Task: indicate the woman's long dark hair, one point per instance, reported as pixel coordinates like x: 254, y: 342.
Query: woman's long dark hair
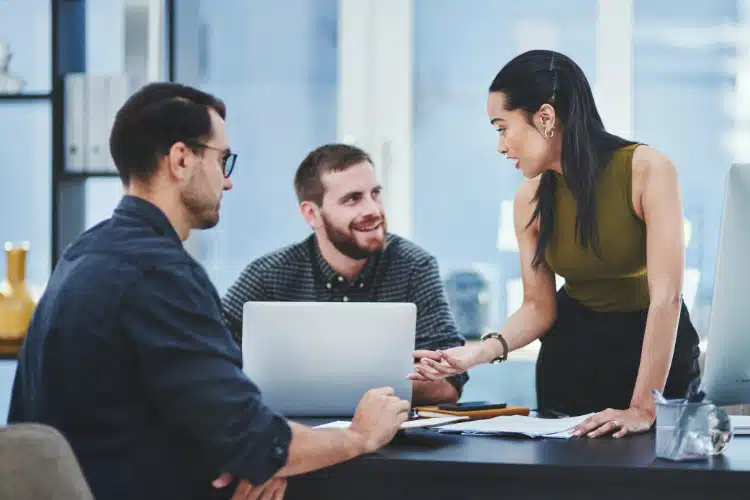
x: 542, y: 76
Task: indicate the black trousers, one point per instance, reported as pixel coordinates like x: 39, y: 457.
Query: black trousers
x: 589, y: 360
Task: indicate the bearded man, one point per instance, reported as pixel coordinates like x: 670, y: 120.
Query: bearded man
x: 351, y: 257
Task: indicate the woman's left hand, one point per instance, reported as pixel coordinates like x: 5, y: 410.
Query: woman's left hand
x: 619, y: 423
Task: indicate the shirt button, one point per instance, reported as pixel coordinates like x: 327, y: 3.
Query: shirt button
x: 345, y: 299
x: 361, y: 285
x: 328, y: 285
x: 278, y: 450
x: 341, y: 278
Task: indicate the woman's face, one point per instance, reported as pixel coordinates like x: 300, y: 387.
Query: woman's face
x: 534, y: 147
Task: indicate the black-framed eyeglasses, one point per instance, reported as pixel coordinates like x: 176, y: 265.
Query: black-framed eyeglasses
x: 227, y: 161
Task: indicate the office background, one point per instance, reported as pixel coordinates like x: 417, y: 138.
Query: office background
x: 406, y: 80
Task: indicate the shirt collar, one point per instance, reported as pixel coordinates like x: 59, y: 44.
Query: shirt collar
x: 332, y: 279
x: 149, y: 213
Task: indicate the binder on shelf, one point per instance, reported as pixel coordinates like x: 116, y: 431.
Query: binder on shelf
x: 97, y: 149
x: 91, y: 103
x: 75, y: 122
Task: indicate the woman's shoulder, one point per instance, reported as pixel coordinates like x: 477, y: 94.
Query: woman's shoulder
x: 653, y: 170
x: 648, y: 160
x: 525, y: 201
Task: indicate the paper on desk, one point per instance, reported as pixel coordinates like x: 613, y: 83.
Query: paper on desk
x: 740, y: 424
x: 409, y: 424
x: 560, y: 428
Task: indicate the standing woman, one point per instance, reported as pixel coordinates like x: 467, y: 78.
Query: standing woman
x: 605, y: 214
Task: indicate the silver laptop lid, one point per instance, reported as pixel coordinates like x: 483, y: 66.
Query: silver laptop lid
x: 319, y: 358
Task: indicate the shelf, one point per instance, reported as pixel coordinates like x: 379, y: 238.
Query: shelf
x: 25, y: 97
x: 74, y: 176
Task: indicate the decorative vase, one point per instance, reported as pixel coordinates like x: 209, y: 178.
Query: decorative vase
x: 16, y: 302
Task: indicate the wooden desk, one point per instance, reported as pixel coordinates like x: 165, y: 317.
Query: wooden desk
x: 421, y: 464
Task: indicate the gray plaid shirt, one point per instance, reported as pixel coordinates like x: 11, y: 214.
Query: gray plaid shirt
x: 402, y: 272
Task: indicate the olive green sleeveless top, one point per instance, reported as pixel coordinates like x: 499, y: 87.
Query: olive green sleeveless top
x: 618, y: 281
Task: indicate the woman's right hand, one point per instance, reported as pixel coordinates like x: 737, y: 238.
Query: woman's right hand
x: 436, y: 365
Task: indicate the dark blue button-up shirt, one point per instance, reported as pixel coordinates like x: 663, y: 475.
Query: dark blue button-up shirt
x: 128, y: 356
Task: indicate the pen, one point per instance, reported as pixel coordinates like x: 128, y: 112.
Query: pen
x: 429, y: 414
x: 658, y: 396
x: 692, y: 395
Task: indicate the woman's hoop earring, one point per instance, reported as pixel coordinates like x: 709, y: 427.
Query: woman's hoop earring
x: 549, y: 133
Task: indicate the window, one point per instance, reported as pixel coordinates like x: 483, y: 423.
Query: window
x: 275, y: 66
x: 671, y: 79
x: 463, y: 189
x: 408, y: 80
x: 687, y: 67
x: 127, y: 36
x: 102, y: 196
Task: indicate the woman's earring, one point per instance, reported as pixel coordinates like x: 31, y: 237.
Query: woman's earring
x: 548, y: 133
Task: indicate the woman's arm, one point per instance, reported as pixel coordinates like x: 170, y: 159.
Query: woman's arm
x: 539, y: 308
x: 528, y: 323
x: 659, y: 204
x: 665, y: 256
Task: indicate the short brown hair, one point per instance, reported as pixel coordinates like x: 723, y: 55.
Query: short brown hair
x: 328, y: 158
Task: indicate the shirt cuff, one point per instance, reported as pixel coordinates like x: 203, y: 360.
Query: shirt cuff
x: 269, y: 457
x: 458, y: 381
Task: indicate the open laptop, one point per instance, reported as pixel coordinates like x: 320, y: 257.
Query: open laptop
x: 317, y: 359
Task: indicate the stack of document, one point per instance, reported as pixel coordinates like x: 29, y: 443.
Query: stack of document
x: 560, y: 428
x: 409, y: 424
x: 741, y: 424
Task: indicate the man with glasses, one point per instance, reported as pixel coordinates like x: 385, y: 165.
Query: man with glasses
x: 127, y: 353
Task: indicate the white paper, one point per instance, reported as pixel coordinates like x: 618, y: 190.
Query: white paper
x: 559, y: 428
x: 740, y: 424
x: 740, y: 420
x: 409, y: 424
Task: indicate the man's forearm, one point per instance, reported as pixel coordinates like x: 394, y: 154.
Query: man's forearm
x: 440, y: 391
x: 313, y: 449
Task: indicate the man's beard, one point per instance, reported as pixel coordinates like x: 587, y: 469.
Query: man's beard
x: 346, y: 242
x: 205, y: 214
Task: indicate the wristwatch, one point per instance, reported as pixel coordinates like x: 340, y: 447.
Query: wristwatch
x: 495, y: 335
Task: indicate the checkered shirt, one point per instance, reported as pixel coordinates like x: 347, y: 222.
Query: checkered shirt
x: 401, y: 272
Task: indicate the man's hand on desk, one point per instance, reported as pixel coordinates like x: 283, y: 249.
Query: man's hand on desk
x: 273, y: 489
x: 616, y: 422
x: 378, y: 417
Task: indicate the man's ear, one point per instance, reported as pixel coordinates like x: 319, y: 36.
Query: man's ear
x: 178, y: 161
x: 311, y: 213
